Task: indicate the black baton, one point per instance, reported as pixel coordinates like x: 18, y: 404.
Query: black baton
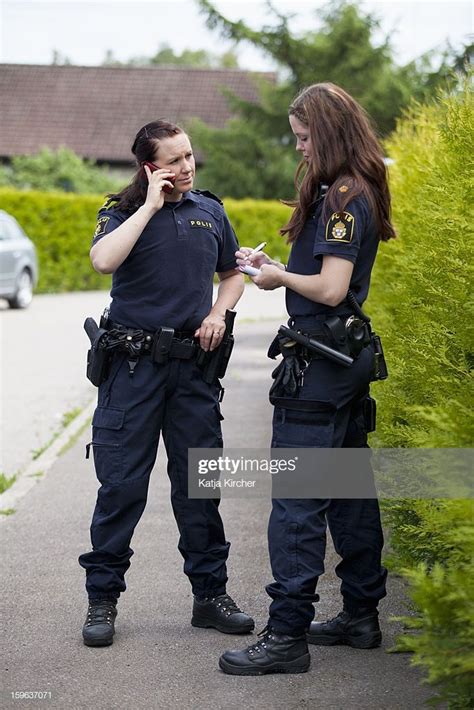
x: 316, y: 346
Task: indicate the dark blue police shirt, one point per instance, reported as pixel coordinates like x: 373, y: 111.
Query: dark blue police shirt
x: 167, y: 278
x: 349, y: 235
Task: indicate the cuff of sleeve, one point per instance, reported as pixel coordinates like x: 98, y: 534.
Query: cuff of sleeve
x: 227, y: 266
x: 331, y: 251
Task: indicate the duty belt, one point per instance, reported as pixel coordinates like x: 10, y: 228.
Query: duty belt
x: 161, y: 345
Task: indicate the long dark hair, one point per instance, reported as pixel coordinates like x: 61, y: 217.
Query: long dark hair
x: 144, y: 148
x: 345, y: 154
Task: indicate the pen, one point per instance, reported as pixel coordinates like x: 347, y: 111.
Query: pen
x: 259, y: 248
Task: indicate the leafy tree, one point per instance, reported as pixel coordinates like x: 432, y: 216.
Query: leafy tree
x: 195, y: 58
x: 453, y: 66
x: 250, y: 156
x: 60, y: 170
x: 342, y: 50
x: 189, y: 57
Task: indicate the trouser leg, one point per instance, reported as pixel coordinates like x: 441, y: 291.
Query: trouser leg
x: 297, y: 544
x: 126, y: 427
x: 297, y: 529
x: 193, y: 420
x: 357, y: 534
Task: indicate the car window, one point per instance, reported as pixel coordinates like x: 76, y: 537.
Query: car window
x: 4, y: 234
x: 9, y: 230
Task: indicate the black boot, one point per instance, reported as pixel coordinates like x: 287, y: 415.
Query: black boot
x: 99, y: 628
x: 221, y: 613
x: 359, y: 630
x: 273, y: 653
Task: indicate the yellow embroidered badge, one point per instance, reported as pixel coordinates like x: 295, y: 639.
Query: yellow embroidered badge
x: 340, y: 228
x: 101, y: 225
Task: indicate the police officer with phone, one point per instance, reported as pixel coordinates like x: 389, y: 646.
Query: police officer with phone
x: 163, y: 242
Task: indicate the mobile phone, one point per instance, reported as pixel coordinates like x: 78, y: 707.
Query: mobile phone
x: 153, y: 167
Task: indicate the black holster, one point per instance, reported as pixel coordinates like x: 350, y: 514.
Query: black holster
x: 162, y: 343
x: 214, y: 363
x: 98, y: 359
x: 380, y: 371
x: 370, y: 414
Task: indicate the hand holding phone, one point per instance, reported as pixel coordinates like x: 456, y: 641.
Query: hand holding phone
x: 153, y: 167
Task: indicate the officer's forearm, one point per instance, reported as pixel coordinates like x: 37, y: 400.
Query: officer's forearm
x: 316, y: 287
x: 112, y: 250
x: 230, y: 289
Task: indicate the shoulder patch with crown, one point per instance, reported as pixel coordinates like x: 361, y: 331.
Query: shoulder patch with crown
x: 340, y: 228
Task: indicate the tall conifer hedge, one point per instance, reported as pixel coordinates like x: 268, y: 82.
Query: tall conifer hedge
x: 421, y: 300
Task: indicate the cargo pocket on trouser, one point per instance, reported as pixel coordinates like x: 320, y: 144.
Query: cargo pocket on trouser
x: 303, y: 423
x: 107, y: 444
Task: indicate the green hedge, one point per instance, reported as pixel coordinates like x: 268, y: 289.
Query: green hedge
x: 421, y: 300
x: 421, y: 289
x: 61, y: 226
x: 258, y: 221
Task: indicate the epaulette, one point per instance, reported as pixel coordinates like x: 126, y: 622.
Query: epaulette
x: 207, y: 193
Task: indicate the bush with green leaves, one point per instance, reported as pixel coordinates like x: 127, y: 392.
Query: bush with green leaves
x: 258, y: 221
x: 442, y: 638
x: 57, y: 170
x: 421, y: 301
x: 421, y: 297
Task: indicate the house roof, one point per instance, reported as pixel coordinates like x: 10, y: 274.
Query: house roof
x: 96, y: 111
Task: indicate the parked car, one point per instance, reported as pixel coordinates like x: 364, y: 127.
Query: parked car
x: 18, y: 263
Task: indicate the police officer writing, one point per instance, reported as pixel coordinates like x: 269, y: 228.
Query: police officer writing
x: 341, y: 214
x: 163, y: 242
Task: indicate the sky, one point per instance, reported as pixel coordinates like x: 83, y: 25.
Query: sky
x: 83, y: 30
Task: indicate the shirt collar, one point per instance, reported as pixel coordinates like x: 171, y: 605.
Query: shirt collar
x: 189, y: 195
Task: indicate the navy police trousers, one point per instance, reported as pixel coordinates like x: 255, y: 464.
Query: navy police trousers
x: 297, y: 527
x: 131, y: 412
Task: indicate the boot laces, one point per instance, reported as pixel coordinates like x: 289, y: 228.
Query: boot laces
x: 226, y: 604
x: 100, y: 613
x: 266, y: 635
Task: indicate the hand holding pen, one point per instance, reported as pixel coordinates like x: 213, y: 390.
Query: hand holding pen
x: 252, y: 257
